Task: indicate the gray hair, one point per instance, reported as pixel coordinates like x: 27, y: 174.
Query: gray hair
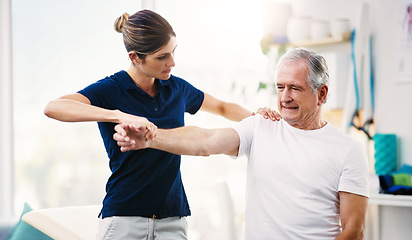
x: 318, y: 69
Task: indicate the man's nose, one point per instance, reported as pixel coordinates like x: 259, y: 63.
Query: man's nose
x: 286, y: 95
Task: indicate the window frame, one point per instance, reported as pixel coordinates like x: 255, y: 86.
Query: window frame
x: 6, y: 111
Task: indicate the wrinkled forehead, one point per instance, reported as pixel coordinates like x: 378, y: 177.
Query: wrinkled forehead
x: 292, y: 68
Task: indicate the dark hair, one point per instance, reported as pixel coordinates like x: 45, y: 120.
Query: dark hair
x: 145, y: 32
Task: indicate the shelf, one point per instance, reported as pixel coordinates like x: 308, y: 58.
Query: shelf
x: 331, y: 44
x: 391, y: 200
x: 321, y: 42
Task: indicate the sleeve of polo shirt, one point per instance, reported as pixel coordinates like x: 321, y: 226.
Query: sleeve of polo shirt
x: 244, y: 129
x: 193, y: 96
x: 95, y: 92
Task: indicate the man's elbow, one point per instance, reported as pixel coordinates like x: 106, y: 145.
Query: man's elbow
x: 354, y: 232
x: 203, y: 151
x: 215, y: 149
x: 208, y: 142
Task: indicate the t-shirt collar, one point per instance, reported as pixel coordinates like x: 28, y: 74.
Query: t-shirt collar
x: 130, y: 84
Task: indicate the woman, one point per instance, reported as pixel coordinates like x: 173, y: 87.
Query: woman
x: 145, y: 198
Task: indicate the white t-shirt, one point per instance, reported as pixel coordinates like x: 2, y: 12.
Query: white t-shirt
x: 294, y: 176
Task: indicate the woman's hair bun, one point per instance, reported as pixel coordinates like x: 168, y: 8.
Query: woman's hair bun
x: 119, y: 23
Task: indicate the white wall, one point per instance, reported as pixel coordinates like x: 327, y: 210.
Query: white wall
x: 392, y: 111
x: 392, y: 114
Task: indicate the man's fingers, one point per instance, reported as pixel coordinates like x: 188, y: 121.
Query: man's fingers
x: 125, y: 149
x: 125, y: 143
x: 151, y: 131
x: 118, y: 137
x: 137, y: 127
x: 120, y: 128
x: 128, y: 145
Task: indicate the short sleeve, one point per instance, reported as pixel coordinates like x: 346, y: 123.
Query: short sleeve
x: 95, y: 92
x: 355, y: 173
x: 244, y: 129
x: 193, y: 96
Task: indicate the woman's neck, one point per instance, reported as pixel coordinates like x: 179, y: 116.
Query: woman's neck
x: 144, y: 82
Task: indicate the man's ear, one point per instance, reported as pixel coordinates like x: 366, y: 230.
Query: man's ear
x: 322, y: 94
x: 134, y: 58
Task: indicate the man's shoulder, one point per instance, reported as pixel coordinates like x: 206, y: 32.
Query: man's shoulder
x: 257, y: 123
x: 258, y: 119
x: 344, y: 140
x: 331, y: 129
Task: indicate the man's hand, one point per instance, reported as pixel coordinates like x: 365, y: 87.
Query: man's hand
x: 134, y: 137
x: 268, y: 113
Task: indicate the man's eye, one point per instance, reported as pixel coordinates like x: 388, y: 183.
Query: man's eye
x: 162, y: 58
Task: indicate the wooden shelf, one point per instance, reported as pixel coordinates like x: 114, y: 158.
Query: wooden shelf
x: 321, y: 42
x: 331, y: 44
x: 391, y: 200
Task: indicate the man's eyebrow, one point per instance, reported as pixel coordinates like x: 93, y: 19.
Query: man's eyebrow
x: 291, y: 85
x: 296, y: 86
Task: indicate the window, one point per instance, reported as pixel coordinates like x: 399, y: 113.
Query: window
x: 59, y: 48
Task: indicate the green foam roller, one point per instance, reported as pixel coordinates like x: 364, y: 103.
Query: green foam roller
x: 386, y: 161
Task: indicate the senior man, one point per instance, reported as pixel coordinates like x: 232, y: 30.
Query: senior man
x: 305, y: 179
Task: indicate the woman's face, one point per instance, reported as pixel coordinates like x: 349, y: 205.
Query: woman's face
x: 159, y: 64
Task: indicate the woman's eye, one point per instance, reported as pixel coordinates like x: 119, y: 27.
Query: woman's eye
x: 162, y: 58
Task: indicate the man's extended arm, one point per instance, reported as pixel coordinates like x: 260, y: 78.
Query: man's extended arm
x: 184, y: 140
x: 353, y: 209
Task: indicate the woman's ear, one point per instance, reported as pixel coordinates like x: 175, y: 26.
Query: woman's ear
x: 134, y: 58
x: 322, y: 94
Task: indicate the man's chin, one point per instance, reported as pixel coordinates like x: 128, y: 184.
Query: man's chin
x: 289, y: 119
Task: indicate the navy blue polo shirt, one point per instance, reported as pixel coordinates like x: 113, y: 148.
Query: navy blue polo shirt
x: 147, y: 181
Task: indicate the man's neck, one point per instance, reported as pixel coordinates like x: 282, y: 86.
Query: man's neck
x: 311, y: 125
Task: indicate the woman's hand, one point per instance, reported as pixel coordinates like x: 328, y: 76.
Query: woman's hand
x: 137, y: 125
x: 268, y: 113
x: 134, y: 136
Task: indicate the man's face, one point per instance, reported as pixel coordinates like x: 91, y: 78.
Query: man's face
x: 298, y: 104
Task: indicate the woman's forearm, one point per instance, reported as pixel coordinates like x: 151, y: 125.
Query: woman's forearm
x: 234, y: 112
x: 68, y: 110
x: 77, y: 108
x: 231, y: 111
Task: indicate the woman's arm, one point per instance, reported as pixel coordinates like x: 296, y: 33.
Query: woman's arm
x: 77, y: 108
x: 231, y: 111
